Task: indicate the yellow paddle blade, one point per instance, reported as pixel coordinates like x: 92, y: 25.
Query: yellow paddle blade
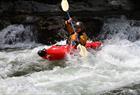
x: 83, y: 51
x: 65, y: 5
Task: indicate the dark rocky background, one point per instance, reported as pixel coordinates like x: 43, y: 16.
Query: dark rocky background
x: 47, y: 18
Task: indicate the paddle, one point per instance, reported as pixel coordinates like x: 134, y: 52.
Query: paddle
x: 83, y: 51
x: 65, y: 7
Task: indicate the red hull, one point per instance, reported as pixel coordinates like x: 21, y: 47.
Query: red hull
x: 58, y: 52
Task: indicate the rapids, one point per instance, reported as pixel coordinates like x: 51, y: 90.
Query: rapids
x: 116, y: 65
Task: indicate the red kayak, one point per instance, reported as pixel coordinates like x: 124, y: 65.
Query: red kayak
x: 58, y: 52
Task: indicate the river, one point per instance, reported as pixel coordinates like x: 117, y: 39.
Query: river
x: 115, y: 68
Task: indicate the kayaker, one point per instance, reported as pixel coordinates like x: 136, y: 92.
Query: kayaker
x: 79, y: 36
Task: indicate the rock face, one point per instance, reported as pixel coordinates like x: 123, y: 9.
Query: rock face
x: 54, y: 5
x: 48, y: 18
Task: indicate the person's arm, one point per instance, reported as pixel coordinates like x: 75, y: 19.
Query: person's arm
x: 69, y: 27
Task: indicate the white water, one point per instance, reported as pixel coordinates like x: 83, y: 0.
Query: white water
x: 17, y: 36
x: 117, y: 64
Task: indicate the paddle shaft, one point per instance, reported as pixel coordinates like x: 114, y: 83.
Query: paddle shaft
x: 72, y: 25
x: 71, y: 22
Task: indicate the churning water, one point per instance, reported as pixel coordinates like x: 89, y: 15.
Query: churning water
x: 17, y: 36
x: 116, y: 65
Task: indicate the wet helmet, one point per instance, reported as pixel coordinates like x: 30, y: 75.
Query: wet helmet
x: 42, y: 53
x: 80, y: 24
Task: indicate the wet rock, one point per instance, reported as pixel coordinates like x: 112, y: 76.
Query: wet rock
x: 47, y: 17
x: 38, y: 6
x: 26, y: 7
x: 3, y: 24
x: 133, y: 89
x: 51, y: 30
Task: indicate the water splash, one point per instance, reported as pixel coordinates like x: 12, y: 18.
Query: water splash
x: 120, y: 28
x: 21, y: 62
x: 15, y: 36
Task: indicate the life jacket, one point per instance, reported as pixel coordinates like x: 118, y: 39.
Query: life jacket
x: 80, y: 37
